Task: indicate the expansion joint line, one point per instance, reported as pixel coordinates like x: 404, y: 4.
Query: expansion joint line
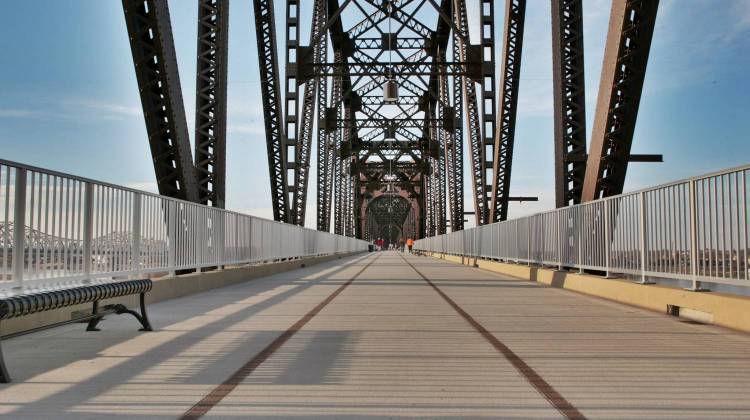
x: 534, y: 379
x: 222, y: 390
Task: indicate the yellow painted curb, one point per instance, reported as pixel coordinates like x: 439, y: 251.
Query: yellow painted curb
x: 722, y: 309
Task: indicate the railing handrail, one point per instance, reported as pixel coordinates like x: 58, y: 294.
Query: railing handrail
x: 88, y: 217
x: 649, y: 232
x: 19, y: 165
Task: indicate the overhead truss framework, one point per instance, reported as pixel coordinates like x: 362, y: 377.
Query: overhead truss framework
x: 366, y: 145
x: 369, y: 144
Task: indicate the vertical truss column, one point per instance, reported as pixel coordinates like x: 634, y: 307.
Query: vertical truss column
x: 448, y: 139
x: 211, y: 101
x: 441, y: 137
x: 489, y: 98
x: 265, y: 28
x: 343, y: 174
x: 515, y: 11
x: 315, y: 88
x: 457, y: 223
x: 291, y: 109
x: 476, y: 146
x: 327, y: 151
x: 631, y: 27
x: 569, y: 99
x: 152, y: 47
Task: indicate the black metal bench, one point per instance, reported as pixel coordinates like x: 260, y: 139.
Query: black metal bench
x: 31, y: 303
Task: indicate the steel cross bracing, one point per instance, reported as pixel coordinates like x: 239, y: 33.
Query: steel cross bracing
x: 265, y: 27
x: 152, y: 47
x: 211, y: 101
x: 631, y: 28
x: 515, y: 12
x: 569, y: 100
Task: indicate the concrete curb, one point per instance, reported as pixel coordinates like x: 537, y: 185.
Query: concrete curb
x: 730, y: 311
x: 171, y: 287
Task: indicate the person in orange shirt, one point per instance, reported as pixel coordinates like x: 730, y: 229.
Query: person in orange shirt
x: 410, y: 244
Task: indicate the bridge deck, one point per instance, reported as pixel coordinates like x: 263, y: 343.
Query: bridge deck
x: 370, y: 337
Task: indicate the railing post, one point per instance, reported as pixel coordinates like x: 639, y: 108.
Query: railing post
x: 642, y: 221
x: 694, y: 237
x: 577, y: 234
x: 19, y: 227
x: 222, y: 240
x: 606, y: 238
x: 528, y: 241
x: 559, y: 241
x: 88, y: 231
x: 171, y: 236
x: 136, y: 251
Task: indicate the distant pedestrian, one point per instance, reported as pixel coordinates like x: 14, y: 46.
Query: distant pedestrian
x: 410, y: 244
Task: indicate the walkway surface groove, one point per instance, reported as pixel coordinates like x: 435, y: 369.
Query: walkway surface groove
x: 383, y: 335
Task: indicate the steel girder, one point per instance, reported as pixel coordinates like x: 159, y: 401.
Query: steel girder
x: 446, y: 111
x: 292, y: 131
x: 457, y: 207
x: 569, y: 100
x: 316, y: 88
x: 211, y: 101
x: 327, y: 144
x: 515, y: 11
x: 265, y: 27
x: 631, y: 27
x: 152, y: 48
x: 479, y: 165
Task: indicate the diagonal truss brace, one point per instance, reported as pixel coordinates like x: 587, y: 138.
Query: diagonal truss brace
x: 631, y: 28
x: 211, y: 101
x: 515, y: 11
x: 265, y: 27
x: 152, y: 46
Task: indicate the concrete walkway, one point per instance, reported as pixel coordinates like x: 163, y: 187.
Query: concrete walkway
x: 383, y: 336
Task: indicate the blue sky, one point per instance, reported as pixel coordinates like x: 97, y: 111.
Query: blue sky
x: 69, y: 99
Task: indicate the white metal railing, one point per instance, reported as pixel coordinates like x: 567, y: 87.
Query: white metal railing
x: 695, y: 229
x: 57, y: 229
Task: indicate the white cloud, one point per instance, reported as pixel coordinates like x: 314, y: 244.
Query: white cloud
x: 18, y: 113
x: 107, y: 108
x: 253, y: 129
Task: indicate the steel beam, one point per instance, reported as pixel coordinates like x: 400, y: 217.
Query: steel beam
x: 631, y: 27
x: 265, y: 28
x: 476, y: 145
x: 211, y: 101
x: 152, y: 47
x: 569, y: 100
x: 316, y: 88
x: 515, y: 12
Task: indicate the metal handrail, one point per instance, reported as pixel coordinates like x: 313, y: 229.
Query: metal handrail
x: 694, y: 229
x: 57, y: 229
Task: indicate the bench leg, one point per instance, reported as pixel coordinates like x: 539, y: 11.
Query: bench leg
x: 93, y: 322
x: 4, y: 375
x: 120, y: 309
x: 144, y: 316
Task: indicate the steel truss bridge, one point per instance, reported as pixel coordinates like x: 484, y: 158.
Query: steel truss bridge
x: 384, y: 161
